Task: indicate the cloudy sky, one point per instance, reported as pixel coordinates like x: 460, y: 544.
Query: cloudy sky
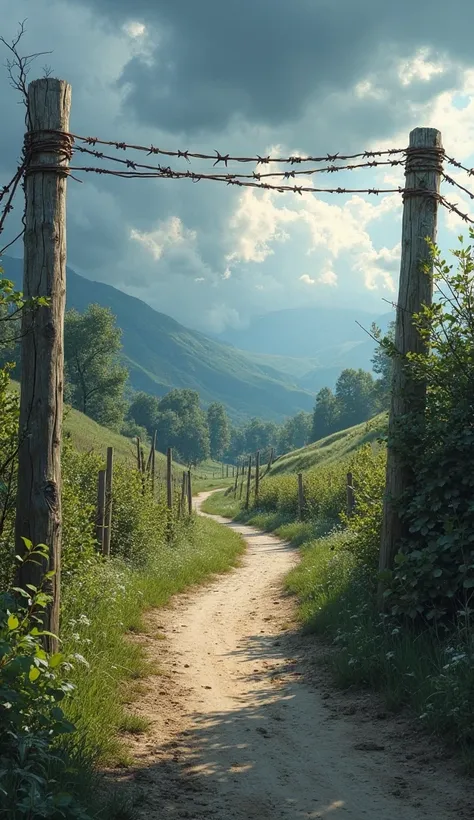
x: 247, y: 76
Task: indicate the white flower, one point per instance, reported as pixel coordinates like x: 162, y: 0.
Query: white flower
x: 81, y: 659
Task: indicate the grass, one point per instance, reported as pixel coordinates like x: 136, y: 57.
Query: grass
x: 108, y: 602
x: 429, y: 670
x: 332, y: 448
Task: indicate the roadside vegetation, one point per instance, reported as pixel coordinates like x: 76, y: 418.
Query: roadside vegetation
x: 419, y: 649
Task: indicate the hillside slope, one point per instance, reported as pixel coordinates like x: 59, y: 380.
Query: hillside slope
x: 331, y: 448
x: 162, y: 354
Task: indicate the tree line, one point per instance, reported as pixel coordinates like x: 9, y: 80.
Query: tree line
x: 97, y: 385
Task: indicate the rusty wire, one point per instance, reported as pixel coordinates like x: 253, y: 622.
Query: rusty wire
x: 217, y: 157
x: 228, y: 179
x: 258, y: 175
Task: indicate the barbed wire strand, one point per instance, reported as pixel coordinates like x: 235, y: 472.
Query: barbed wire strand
x: 217, y: 157
x: 256, y: 174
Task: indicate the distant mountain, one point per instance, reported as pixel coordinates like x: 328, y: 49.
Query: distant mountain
x: 162, y: 354
x: 329, y: 335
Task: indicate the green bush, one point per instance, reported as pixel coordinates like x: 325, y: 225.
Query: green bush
x: 32, y: 685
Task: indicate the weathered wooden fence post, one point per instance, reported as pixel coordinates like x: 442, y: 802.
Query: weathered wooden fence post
x: 300, y: 497
x: 38, y: 507
x: 169, y: 478
x: 350, y: 496
x: 257, y: 477
x: 100, y: 522
x: 183, y: 492
x: 190, y: 493
x: 249, y: 480
x: 420, y: 213
x: 108, y: 500
x: 139, y: 455
x: 236, y: 481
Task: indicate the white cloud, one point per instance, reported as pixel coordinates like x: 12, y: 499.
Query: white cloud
x: 307, y: 279
x: 134, y: 29
x: 168, y: 234
x: 420, y: 67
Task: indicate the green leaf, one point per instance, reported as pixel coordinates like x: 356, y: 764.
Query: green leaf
x: 468, y: 583
x: 55, y: 660
x: 13, y: 623
x: 34, y: 674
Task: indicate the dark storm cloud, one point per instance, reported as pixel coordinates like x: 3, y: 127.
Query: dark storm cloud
x: 238, y: 75
x: 266, y: 60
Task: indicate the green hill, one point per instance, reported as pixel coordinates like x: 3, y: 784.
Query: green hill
x: 332, y: 448
x: 162, y: 354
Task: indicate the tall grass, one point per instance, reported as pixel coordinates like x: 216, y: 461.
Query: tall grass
x: 105, y: 603
x: 429, y: 669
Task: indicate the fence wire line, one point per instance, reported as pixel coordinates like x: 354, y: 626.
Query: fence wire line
x: 258, y: 175
x: 217, y: 157
x: 242, y: 180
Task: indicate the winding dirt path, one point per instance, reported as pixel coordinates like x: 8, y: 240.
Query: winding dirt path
x: 245, y: 723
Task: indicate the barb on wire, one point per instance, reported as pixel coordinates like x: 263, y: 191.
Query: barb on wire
x: 456, y: 164
x: 217, y: 157
x: 258, y: 175
x: 456, y: 184
x: 455, y: 210
x: 228, y: 179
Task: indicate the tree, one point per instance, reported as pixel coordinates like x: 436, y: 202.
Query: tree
x: 325, y: 414
x: 219, y: 430
x: 92, y: 345
x: 193, y: 439
x: 295, y: 432
x: 260, y: 435
x: 182, y: 425
x: 168, y: 427
x: 355, y: 397
x: 382, y: 365
x: 144, y: 410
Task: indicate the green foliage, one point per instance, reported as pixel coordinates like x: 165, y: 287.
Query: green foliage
x: 144, y: 410
x: 95, y: 376
x: 382, y: 365
x: 368, y: 478
x: 32, y: 685
x: 219, y: 430
x: 355, y: 397
x: 434, y: 573
x: 295, y: 432
x: 325, y: 414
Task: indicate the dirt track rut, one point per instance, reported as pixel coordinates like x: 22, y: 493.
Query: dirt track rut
x: 245, y: 724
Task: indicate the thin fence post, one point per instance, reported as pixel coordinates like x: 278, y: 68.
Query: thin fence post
x: 420, y: 212
x: 100, y: 522
x: 108, y: 500
x: 139, y: 457
x: 301, y: 500
x: 190, y: 493
x: 153, y: 464
x: 38, y: 505
x: 350, y: 496
x: 236, y: 481
x: 169, y: 478
x: 184, y: 491
x: 249, y: 479
x: 257, y: 477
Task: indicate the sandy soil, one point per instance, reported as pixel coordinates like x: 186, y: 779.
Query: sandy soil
x: 245, y: 723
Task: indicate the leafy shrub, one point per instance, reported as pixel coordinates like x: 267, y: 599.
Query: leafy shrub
x: 368, y: 477
x: 32, y: 685
x: 434, y: 574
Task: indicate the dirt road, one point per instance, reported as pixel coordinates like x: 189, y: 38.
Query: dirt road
x: 245, y: 725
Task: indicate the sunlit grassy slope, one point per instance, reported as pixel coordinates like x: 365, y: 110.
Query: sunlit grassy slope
x: 332, y: 448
